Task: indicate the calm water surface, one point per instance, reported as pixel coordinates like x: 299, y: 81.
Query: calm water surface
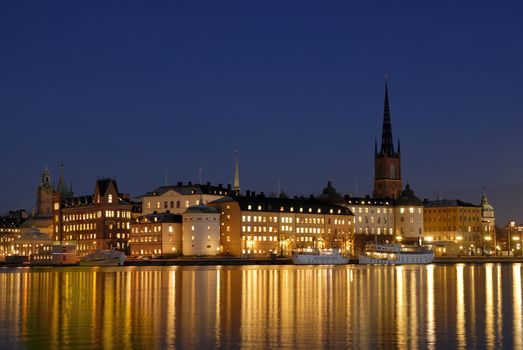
x: 434, y: 306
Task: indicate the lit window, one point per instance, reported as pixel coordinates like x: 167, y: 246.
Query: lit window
x: 110, y: 198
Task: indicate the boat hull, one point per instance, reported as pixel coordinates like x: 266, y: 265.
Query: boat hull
x: 308, y: 259
x: 398, y: 259
x: 104, y: 258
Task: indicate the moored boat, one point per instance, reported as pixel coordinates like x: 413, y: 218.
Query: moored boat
x: 395, y: 254
x: 319, y: 257
x: 104, y: 258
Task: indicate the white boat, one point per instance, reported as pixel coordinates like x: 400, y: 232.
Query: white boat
x: 395, y: 254
x: 104, y: 258
x: 319, y: 257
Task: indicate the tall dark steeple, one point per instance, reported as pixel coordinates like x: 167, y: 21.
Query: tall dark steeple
x: 387, y: 146
x: 387, y: 162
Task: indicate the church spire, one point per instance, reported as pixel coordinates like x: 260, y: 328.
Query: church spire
x: 62, y: 186
x: 236, y: 182
x: 387, y: 147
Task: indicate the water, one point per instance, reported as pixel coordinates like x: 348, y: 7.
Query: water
x: 290, y: 307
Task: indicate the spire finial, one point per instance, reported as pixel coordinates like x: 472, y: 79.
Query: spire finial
x: 387, y: 147
x: 236, y: 182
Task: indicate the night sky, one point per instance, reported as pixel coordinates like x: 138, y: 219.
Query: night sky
x: 136, y: 91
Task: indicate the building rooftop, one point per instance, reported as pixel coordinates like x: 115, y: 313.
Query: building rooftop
x: 254, y: 202
x: 161, y: 218
x: 448, y: 203
x: 190, y: 188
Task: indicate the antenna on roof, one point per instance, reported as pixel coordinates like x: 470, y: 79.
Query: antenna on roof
x: 437, y: 195
x: 279, y: 188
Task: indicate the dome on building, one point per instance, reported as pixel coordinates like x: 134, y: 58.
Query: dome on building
x: 202, y: 208
x: 408, y: 197
x: 329, y: 195
x: 485, y: 205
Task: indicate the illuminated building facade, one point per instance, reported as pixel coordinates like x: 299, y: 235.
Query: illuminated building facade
x: 201, y: 231
x: 454, y: 227
x: 98, y: 221
x: 157, y: 234
x: 176, y: 199
x: 255, y: 225
x: 408, y: 217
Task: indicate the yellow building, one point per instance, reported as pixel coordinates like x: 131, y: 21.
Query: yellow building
x: 454, y: 227
x: 259, y: 226
x: 156, y: 235
x: 176, y: 199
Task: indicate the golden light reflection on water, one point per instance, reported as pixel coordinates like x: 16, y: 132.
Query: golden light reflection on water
x: 516, y: 306
x: 431, y: 323
x: 262, y: 307
x: 460, y: 306
x: 489, y: 306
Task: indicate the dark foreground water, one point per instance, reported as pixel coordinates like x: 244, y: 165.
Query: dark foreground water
x: 452, y: 306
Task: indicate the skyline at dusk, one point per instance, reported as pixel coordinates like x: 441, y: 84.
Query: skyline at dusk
x: 139, y: 92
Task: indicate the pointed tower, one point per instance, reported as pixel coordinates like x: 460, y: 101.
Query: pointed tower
x: 62, y: 186
x: 236, y: 182
x: 387, y: 162
x: 488, y: 222
x: 44, y: 195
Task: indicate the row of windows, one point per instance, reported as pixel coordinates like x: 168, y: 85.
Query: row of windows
x: 172, y: 204
x: 261, y: 238
x: 453, y: 228
x: 378, y: 230
x: 366, y: 210
x: 146, y: 229
x: 453, y: 218
x: 301, y: 210
x: 90, y: 216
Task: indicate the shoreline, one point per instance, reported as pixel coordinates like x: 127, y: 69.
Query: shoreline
x: 278, y: 261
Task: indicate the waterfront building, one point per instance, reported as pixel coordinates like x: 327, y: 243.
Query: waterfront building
x: 453, y: 227
x: 387, y: 162
x: 92, y: 222
x: 510, y: 243
x: 408, y: 217
x: 34, y: 245
x: 176, y: 199
x: 373, y: 218
x: 201, y: 231
x: 157, y: 234
x: 255, y: 225
x: 9, y: 229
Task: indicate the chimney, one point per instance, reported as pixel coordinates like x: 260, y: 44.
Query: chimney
x: 179, y: 184
x: 254, y: 193
x: 208, y: 183
x: 248, y: 193
x: 189, y: 183
x: 220, y: 185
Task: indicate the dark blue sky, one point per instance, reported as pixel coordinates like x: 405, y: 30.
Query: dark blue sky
x: 134, y: 90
